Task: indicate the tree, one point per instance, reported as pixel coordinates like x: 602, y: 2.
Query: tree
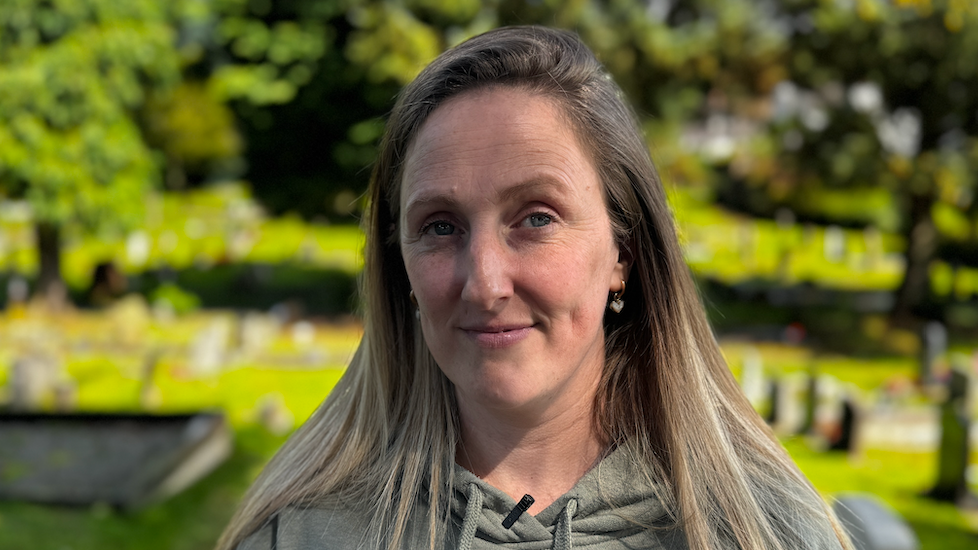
x: 73, y: 73
x: 310, y: 82
x: 308, y: 146
x: 877, y: 103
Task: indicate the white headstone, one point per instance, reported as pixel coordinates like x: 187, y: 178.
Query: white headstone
x: 209, y: 350
x: 752, y: 376
x: 834, y: 243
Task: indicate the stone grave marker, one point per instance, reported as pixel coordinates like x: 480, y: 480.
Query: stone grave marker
x: 209, y: 350
x: 935, y: 345
x: 256, y: 332
x: 825, y: 408
x: 786, y: 410
x: 752, y: 376
x: 845, y: 434
x: 871, y: 525
x: 907, y: 428
x: 65, y: 396
x: 834, y: 244
x: 120, y: 460
x: 18, y: 292
x: 952, y: 481
x: 810, y: 401
x: 34, y: 379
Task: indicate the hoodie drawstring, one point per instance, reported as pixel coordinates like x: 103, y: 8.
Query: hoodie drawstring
x: 562, y: 536
x: 472, y: 511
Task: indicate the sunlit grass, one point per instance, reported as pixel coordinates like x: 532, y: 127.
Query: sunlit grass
x: 897, y: 478
x: 223, y: 223
x: 111, y: 379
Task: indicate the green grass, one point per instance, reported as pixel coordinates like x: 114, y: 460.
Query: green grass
x: 899, y: 479
x: 108, y: 379
x: 223, y: 224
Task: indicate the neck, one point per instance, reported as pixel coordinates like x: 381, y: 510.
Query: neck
x: 542, y: 457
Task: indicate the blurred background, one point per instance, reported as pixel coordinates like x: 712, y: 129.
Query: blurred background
x: 181, y: 182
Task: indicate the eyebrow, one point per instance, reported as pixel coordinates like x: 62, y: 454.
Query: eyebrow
x: 526, y: 187
x: 535, y: 184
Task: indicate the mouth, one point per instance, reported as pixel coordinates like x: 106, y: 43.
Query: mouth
x: 495, y: 329
x: 497, y: 336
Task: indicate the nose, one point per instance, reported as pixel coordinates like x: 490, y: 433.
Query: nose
x: 486, y: 271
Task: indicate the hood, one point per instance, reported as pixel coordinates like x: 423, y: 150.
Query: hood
x: 610, y: 503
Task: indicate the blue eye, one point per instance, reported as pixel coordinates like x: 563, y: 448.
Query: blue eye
x: 440, y: 228
x: 539, y: 220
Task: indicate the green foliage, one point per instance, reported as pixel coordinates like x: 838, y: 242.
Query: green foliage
x: 71, y: 73
x: 875, y: 105
x: 193, y: 128
x: 175, y: 298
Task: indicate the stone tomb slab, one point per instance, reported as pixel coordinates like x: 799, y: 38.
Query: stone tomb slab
x: 122, y: 460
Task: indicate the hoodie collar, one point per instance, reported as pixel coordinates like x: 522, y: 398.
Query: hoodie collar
x: 610, y: 502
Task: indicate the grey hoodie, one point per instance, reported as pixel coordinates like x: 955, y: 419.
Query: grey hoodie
x: 609, y: 508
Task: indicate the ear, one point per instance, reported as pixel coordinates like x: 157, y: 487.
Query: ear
x: 621, y: 269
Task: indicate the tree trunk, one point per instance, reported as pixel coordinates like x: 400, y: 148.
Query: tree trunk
x: 49, y: 282
x: 921, y: 246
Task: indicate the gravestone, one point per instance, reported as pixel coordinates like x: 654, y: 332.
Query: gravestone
x: 935, y: 345
x: 786, y: 410
x: 952, y: 481
x: 256, y: 332
x: 826, y: 406
x: 121, y: 460
x: 274, y: 415
x: 871, y: 525
x: 18, y: 292
x: 905, y: 429
x: 810, y: 401
x: 209, y: 350
x: 65, y: 396
x: 33, y: 382
x: 834, y: 244
x: 752, y: 376
x: 843, y: 438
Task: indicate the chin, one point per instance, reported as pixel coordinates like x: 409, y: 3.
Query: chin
x: 504, y: 395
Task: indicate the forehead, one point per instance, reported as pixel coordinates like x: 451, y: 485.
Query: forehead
x: 499, y: 134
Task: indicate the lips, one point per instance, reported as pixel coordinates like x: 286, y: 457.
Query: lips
x: 497, y: 336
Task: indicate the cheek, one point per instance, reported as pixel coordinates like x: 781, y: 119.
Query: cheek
x: 431, y: 280
x: 578, y: 287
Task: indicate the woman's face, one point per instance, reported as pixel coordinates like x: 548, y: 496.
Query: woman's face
x: 509, y: 249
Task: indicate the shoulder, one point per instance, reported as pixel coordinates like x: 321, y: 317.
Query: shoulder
x: 800, y: 518
x: 333, y: 525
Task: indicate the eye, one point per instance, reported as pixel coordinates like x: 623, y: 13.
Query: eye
x: 539, y: 219
x: 440, y: 228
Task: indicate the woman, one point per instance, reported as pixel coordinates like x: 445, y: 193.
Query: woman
x: 530, y: 328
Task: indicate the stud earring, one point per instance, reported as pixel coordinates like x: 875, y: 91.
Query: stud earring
x: 617, y: 304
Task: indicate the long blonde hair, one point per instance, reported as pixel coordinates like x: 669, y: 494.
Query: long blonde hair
x: 388, y: 430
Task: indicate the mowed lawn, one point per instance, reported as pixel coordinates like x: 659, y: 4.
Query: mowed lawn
x: 194, y: 519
